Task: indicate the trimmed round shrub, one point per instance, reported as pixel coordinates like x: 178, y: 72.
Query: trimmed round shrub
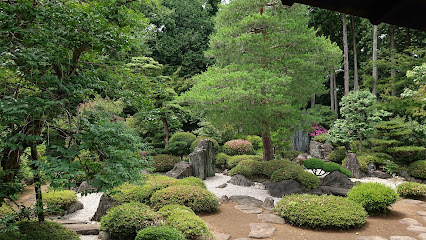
x: 123, y: 222
x: 155, y: 183
x: 234, y: 160
x: 197, y: 198
x: 411, y: 189
x: 291, y: 154
x: 191, y: 181
x: 269, y: 167
x: 190, y: 225
x: 46, y: 230
x: 58, y: 201
x: 186, y: 137
x: 238, y: 147
x: 337, y: 155
x: 374, y: 197
x: 164, y: 162
x: 313, y: 163
x: 256, y: 141
x: 194, y: 144
x: 417, y: 169
x: 247, y: 168
x: 222, y: 160
x: 308, y: 180
x: 287, y: 173
x: 332, y: 166
x: 160, y: 233
x: 321, y: 212
x: 127, y: 192
x: 168, y: 210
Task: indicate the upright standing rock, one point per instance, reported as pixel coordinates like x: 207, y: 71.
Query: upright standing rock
x: 203, y: 159
x: 300, y: 141
x: 352, y: 165
x: 320, y: 150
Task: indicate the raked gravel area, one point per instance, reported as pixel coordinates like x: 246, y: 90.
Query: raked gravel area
x: 390, y: 182
x: 90, y: 203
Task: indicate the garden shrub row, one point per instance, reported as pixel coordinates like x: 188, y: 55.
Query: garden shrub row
x: 316, y: 165
x: 58, y: 201
x: 47, y: 230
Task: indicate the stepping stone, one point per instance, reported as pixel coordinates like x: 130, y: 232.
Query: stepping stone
x: 418, y: 229
x: 412, y: 201
x: 401, y: 238
x: 221, y: 236
x: 248, y: 209
x: 410, y: 222
x: 244, y: 239
x: 422, y: 236
x: 84, y: 229
x: 261, y: 230
x: 271, y: 218
x: 222, y: 185
x: 421, y: 213
x: 371, y: 238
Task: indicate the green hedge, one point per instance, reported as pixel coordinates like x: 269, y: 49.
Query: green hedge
x: 123, y: 222
x: 321, y: 212
x: 234, y: 160
x: 337, y: 155
x: 164, y: 162
x: 191, y: 181
x: 197, y: 198
x: 374, y: 197
x: 287, y: 173
x: 247, y: 168
x: 128, y: 192
x: 418, y: 169
x: 47, y: 230
x: 58, y: 201
x: 160, y: 233
x: 190, y: 225
x: 186, y: 137
x: 411, y: 190
x: 308, y: 180
x: 168, y: 210
x: 269, y: 167
x: 238, y: 147
x: 222, y: 160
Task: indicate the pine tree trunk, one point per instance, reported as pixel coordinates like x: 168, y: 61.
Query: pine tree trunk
x: 392, y: 49
x: 374, y: 91
x: 37, y: 184
x: 346, y: 54
x: 268, y: 150
x: 166, y: 131
x: 355, y: 54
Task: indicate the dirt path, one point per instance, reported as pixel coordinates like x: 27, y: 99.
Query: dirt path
x: 231, y: 221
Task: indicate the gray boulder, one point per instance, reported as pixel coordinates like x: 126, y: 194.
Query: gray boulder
x: 334, y: 191
x: 285, y: 187
x: 203, y: 159
x: 245, y: 200
x: 352, y: 165
x: 338, y: 180
x: 320, y: 150
x: 300, y: 141
x: 86, y: 187
x: 105, y: 203
x: 180, y: 170
x: 240, y: 180
x: 75, y: 206
x: 379, y: 174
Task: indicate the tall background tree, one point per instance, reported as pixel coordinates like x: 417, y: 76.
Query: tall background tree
x: 258, y: 82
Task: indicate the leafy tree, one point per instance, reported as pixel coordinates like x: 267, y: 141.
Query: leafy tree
x: 359, y: 113
x: 262, y: 58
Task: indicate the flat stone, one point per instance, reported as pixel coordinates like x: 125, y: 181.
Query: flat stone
x: 271, y: 218
x: 418, y: 229
x: 371, y: 238
x: 268, y: 203
x: 66, y: 221
x: 246, y: 200
x: 401, y: 238
x: 104, y: 236
x: 244, y: 239
x: 422, y: 236
x: 412, y: 201
x: 261, y: 230
x: 221, y: 236
x: 421, y: 213
x: 248, y: 209
x: 222, y: 185
x: 410, y: 222
x: 84, y: 229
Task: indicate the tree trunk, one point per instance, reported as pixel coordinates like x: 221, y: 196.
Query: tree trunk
x: 336, y: 103
x: 268, y: 150
x: 346, y: 53
x: 392, y: 49
x: 166, y: 131
x: 355, y: 54
x: 37, y: 184
x: 332, y: 91
x: 374, y: 91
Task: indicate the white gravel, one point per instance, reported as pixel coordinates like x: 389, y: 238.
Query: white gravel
x: 88, y: 237
x: 234, y: 190
x: 90, y: 203
x: 390, y: 182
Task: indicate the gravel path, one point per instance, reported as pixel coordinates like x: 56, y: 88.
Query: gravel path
x: 88, y: 237
x: 234, y: 190
x: 391, y: 182
x: 90, y: 203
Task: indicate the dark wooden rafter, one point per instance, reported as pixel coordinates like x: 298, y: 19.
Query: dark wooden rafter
x: 403, y: 13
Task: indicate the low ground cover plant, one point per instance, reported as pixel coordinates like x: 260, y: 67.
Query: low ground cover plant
x: 168, y: 210
x: 123, y: 222
x: 58, y: 201
x: 374, y: 197
x: 191, y: 181
x: 196, y: 198
x: 164, y: 162
x: 190, y: 225
x: 234, y: 160
x: 159, y: 233
x: 247, y: 168
x: 269, y: 167
x: 289, y: 172
x: 127, y: 192
x: 47, y: 230
x: 222, y: 160
x: 411, y: 190
x: 238, y: 147
x: 321, y: 212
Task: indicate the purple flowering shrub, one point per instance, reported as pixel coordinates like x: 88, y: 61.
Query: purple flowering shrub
x: 317, y: 130
x: 238, y: 147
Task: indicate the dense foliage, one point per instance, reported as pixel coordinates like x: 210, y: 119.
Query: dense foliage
x: 238, y: 147
x: 47, y: 230
x: 374, y: 197
x: 321, y: 212
x: 164, y: 162
x: 59, y: 201
x: 418, y: 169
x: 159, y: 233
x: 191, y: 225
x: 411, y: 190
